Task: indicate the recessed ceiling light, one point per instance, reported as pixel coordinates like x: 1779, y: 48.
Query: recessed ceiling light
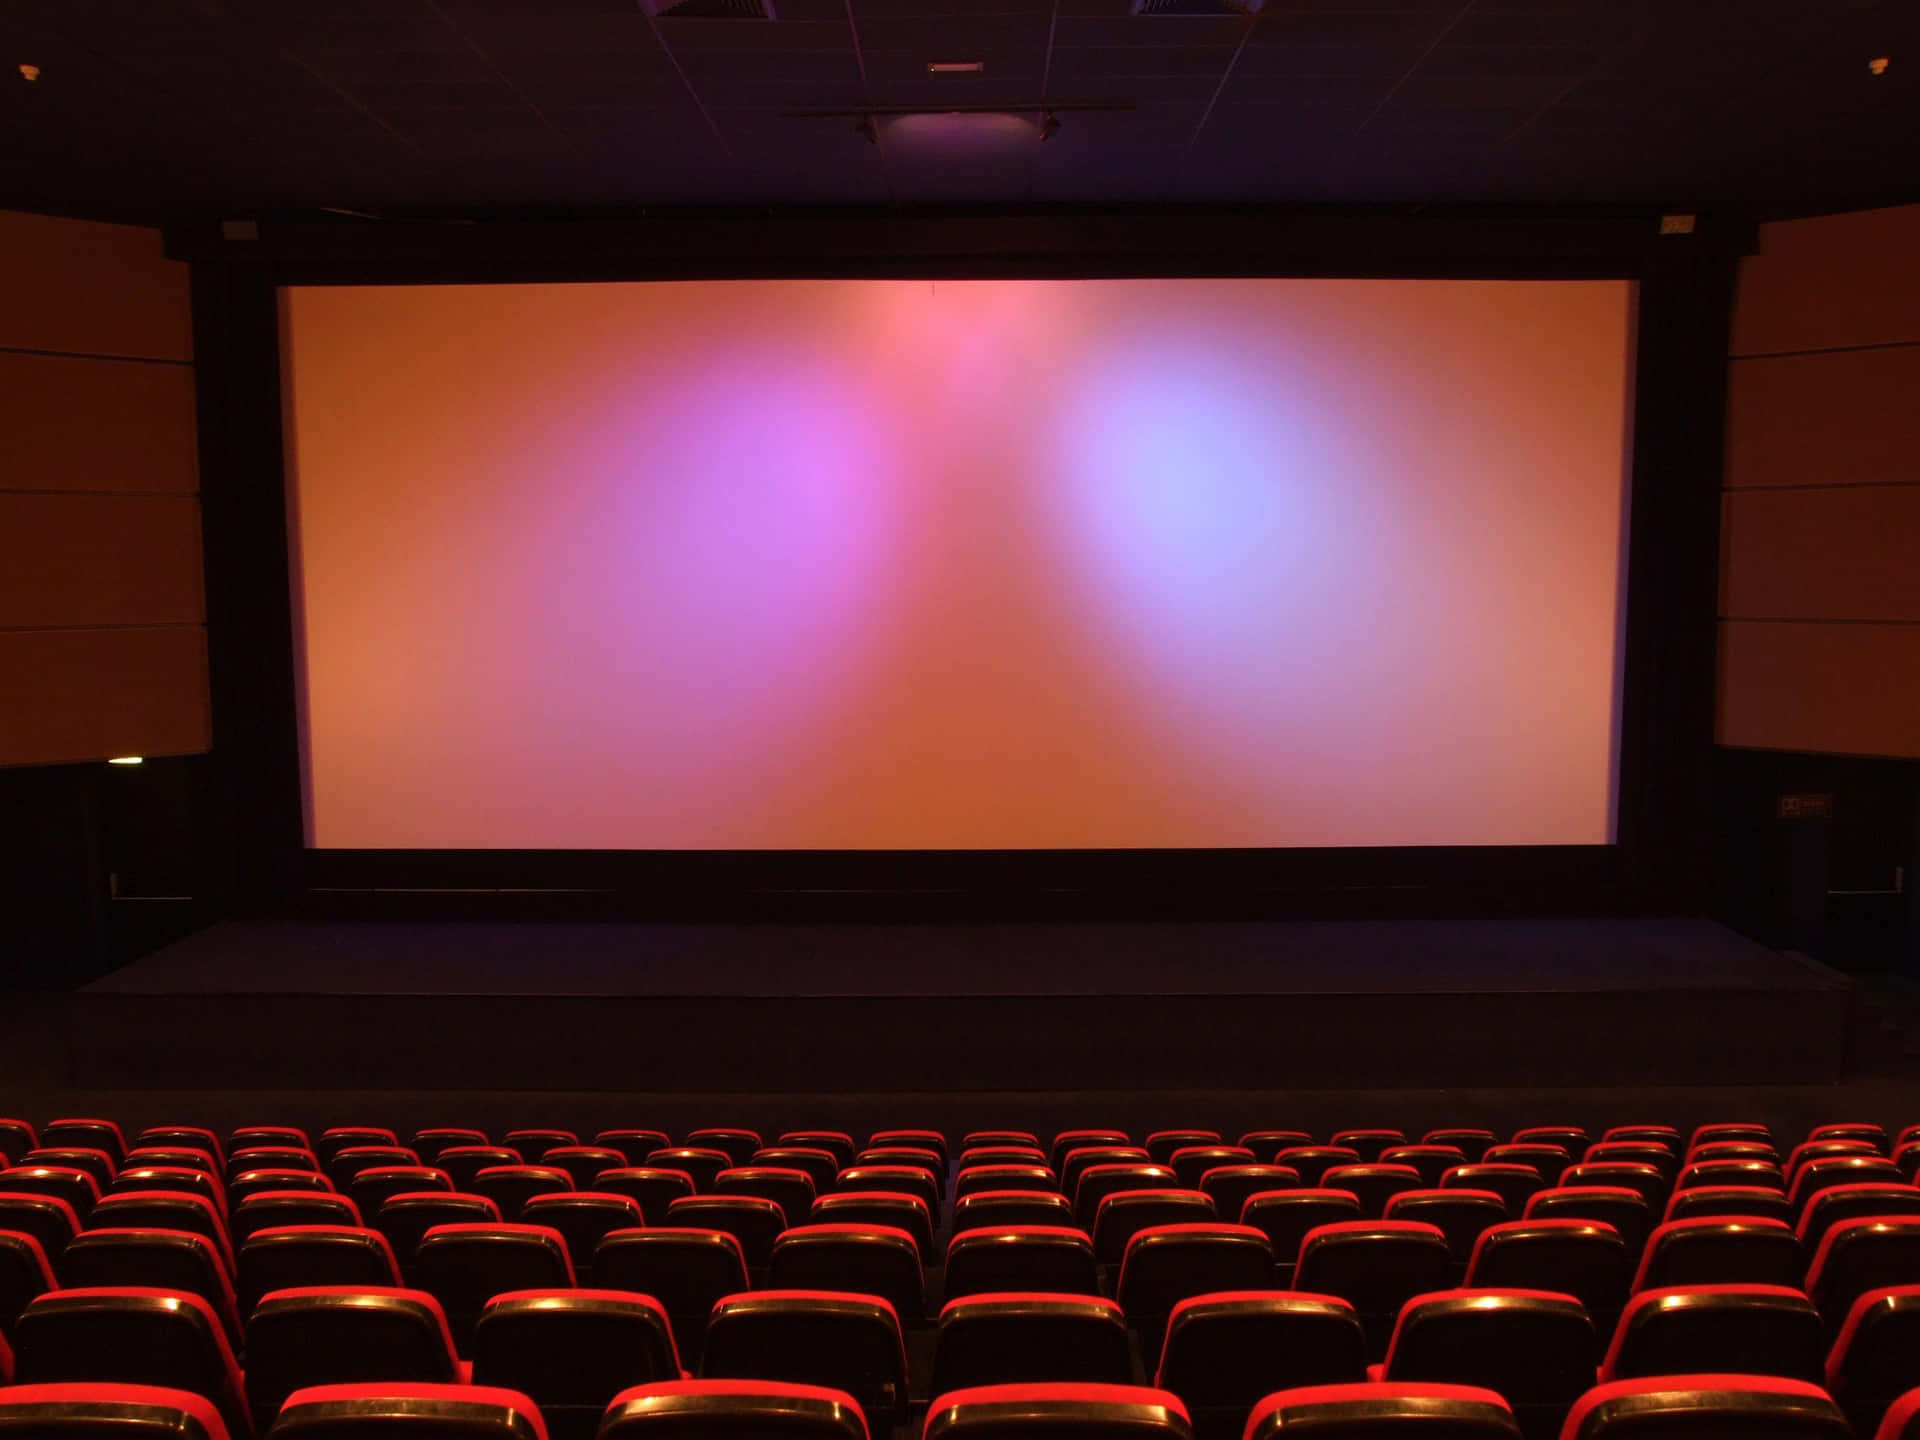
x: 955, y: 67
x: 31, y: 73
x: 1877, y: 65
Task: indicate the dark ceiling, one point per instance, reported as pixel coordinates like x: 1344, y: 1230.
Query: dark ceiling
x: 150, y: 109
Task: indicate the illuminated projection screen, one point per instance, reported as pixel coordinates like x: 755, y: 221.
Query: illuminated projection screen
x: 877, y: 564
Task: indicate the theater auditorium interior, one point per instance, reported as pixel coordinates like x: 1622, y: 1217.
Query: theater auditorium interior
x: 959, y: 720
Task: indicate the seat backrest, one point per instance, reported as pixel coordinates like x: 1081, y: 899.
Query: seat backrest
x: 1738, y: 1130
x: 1862, y: 1130
x: 134, y: 1335
x: 1077, y: 1161
x: 1622, y: 1174
x: 699, y: 1163
x: 1190, y: 1162
x: 636, y: 1144
x: 1764, y: 1407
x: 1535, y: 1347
x: 1572, y: 1138
x: 1430, y: 1161
x: 1367, y: 1141
x: 1707, y: 1329
x: 1712, y: 1250
x: 837, y: 1143
x: 1583, y: 1258
x: 1370, y: 1410
x: 572, y: 1351
x: 244, y: 1158
x: 1816, y: 1175
x: 1512, y: 1182
x: 819, y: 1165
x: 729, y: 1409
x: 1051, y: 1259
x: 107, y: 1411
x: 164, y: 1210
x: 184, y: 1179
x: 1165, y: 1264
x: 1374, y: 1265
x: 1013, y: 1337
x: 1313, y: 1161
x: 1160, y: 1144
x: 1471, y: 1141
x: 1007, y: 1177
x: 1827, y: 1208
x: 372, y: 1188
x: 511, y: 1186
x: 1228, y: 1186
x: 464, y: 1266
x: 1224, y: 1351
x: 1552, y: 1161
x: 336, y: 1138
x: 1729, y: 1201
x: 87, y: 1134
x: 583, y: 1218
x: 295, y: 1256
x: 243, y: 1136
x: 687, y: 1271
x: 1070, y: 1140
x: 896, y: 1179
x: 430, y: 1140
x: 792, y: 1190
x: 464, y: 1162
x: 1096, y: 1182
x: 390, y: 1410
x: 154, y: 1259
x: 735, y: 1141
x: 336, y: 1334
x: 1000, y: 1137
x: 405, y: 1217
x: 24, y: 1274
x: 1288, y: 1216
x: 1876, y: 1358
x: 47, y: 1218
x: 583, y: 1162
x: 918, y: 1157
x: 876, y: 1207
x: 536, y: 1140
x: 265, y: 1210
x: 754, y: 1222
x: 1126, y: 1213
x: 1625, y: 1210
x: 860, y: 1259
x: 79, y: 1189
x: 652, y: 1186
x: 1065, y: 1411
x: 999, y: 1209
x: 1856, y: 1256
x: 1748, y: 1172
x: 349, y: 1160
x: 836, y: 1339
x: 1460, y: 1215
x: 1372, y: 1184
x: 247, y: 1183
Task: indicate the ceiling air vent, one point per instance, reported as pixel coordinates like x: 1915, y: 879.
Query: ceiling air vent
x: 710, y: 9
x: 1196, y: 9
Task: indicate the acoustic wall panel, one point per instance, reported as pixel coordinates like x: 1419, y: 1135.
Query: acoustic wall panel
x: 98, y: 693
x: 73, y: 423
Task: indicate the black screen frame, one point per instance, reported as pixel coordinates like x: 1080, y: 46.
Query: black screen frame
x: 1658, y: 863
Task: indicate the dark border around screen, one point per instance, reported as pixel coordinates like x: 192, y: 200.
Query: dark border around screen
x: 250, y: 816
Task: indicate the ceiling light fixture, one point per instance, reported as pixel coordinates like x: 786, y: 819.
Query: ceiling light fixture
x: 955, y: 67
x: 1877, y: 65
x: 31, y: 73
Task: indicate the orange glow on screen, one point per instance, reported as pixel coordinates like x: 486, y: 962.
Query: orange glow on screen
x: 960, y: 564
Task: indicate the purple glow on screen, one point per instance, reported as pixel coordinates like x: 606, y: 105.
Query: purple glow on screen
x: 901, y: 564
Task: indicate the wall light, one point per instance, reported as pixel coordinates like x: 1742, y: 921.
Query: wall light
x: 128, y: 760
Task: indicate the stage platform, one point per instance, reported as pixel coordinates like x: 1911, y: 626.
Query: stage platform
x: 816, y: 1008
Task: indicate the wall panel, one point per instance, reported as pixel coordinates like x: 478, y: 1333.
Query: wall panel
x: 1835, y: 417
x: 1829, y: 554
x: 1831, y: 282
x: 82, y: 288
x: 73, y: 560
x: 98, y: 693
x: 71, y: 423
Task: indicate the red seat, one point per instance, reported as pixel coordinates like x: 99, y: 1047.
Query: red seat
x: 337, y: 1334
x: 1286, y: 1217
x: 349, y: 1160
x: 1161, y: 1144
x: 1190, y: 1162
x: 1625, y: 1210
x: 653, y: 1187
x: 1228, y: 1186
x: 344, y: 1137
x: 894, y: 1179
x: 1676, y: 1407
x: 1000, y: 1137
x: 1828, y: 1207
x: 1749, y: 1173
x: 1096, y: 1182
x: 1863, y: 1130
x: 1431, y: 1161
x: 1534, y: 1348
x: 1582, y: 1258
x: 1715, y: 1251
x: 1081, y: 1158
x: 1372, y: 1185
x: 999, y: 1209
x: 131, y: 1335
x: 48, y: 1219
x: 76, y: 1188
x: 698, y: 1163
x: 1817, y: 1175
x: 1572, y: 1138
x: 17, y: 1137
x: 915, y: 1139
x: 1052, y: 1259
x: 1730, y: 1202
x: 534, y: 1140
x: 858, y: 1259
x: 1166, y: 1264
x: 1057, y: 1412
x: 87, y: 1134
x: 464, y: 1266
x: 1471, y: 1141
x: 24, y: 1275
x: 372, y: 1188
x: 465, y: 1162
x: 584, y: 1218
x: 1633, y: 1152
x: 512, y: 1186
x: 405, y: 1217
x: 1551, y: 1161
x: 1706, y: 1329
x: 754, y: 1222
x: 834, y: 1339
x: 583, y: 1162
x: 876, y: 1207
x: 737, y: 1144
x: 1856, y: 1256
x: 165, y: 1210
x: 1375, y: 1265
x: 820, y: 1166
x: 974, y: 1155
x: 1664, y: 1134
x: 202, y: 1184
x: 1515, y: 1184
x: 1070, y: 1140
x: 791, y: 1190
x: 242, y: 1137
x: 687, y: 1271
x: 182, y: 1138
x: 271, y: 1157
x: 635, y: 1145
x: 1735, y: 1130
x: 573, y: 1351
x: 1367, y: 1143
x: 432, y: 1139
x: 1876, y: 1358
x: 1460, y: 1215
x: 1015, y: 1337
x: 1224, y: 1351
x: 837, y: 1143
x: 107, y: 1411
x: 1378, y: 1411
x: 1313, y: 1161
x: 297, y: 1256
x: 934, y: 1162
x: 176, y: 1260
x: 731, y: 1409
x: 1124, y: 1214
x: 1005, y: 1177
x: 391, y: 1410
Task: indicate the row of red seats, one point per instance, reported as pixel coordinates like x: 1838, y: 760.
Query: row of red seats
x: 1691, y: 1407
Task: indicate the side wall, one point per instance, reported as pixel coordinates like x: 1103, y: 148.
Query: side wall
x: 1820, y: 557
x: 102, y: 633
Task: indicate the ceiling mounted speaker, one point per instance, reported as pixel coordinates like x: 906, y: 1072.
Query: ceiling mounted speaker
x: 709, y: 9
x: 1197, y: 9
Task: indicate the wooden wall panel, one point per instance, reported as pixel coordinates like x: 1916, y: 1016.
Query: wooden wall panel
x: 1836, y: 417
x: 1850, y: 553
x: 1839, y: 280
x: 68, y: 560
x: 68, y: 423
x: 99, y: 693
x: 1842, y: 689
x: 89, y: 289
